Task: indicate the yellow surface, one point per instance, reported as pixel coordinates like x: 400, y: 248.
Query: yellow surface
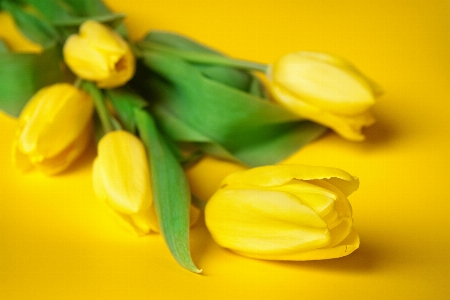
x: 58, y: 242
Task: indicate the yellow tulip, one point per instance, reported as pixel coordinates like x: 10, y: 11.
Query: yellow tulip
x: 122, y: 179
x: 285, y: 212
x: 54, y: 129
x: 12, y: 36
x: 99, y: 54
x: 325, y: 89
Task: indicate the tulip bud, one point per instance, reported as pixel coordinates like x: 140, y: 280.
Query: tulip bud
x: 284, y: 212
x: 99, y: 54
x: 325, y: 89
x: 122, y: 179
x: 54, y: 128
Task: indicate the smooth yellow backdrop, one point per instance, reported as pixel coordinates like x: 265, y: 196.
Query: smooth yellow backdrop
x: 58, y: 242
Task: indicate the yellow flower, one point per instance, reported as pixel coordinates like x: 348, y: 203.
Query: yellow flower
x: 99, y: 54
x: 325, y: 89
x: 285, y: 212
x: 54, y: 129
x: 12, y: 36
x: 122, y: 179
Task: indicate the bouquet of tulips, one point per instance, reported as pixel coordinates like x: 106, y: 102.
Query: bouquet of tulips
x: 156, y: 106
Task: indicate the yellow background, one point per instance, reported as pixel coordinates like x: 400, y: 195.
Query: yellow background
x: 58, y: 242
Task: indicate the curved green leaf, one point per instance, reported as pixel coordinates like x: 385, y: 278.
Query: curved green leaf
x: 22, y: 74
x: 233, y: 77
x: 124, y: 103
x: 170, y: 190
x: 222, y: 120
x: 31, y: 24
x: 3, y: 47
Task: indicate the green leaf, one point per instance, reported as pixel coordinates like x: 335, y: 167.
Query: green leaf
x: 3, y: 47
x: 170, y: 190
x: 221, y: 120
x: 124, y: 102
x: 22, y: 74
x: 233, y: 77
x: 88, y: 7
x: 73, y: 13
x: 31, y: 24
x: 53, y: 10
x: 77, y: 21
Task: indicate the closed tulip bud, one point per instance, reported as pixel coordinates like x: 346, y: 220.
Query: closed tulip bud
x: 285, y: 212
x: 325, y: 89
x: 99, y: 54
x: 54, y: 129
x: 122, y: 179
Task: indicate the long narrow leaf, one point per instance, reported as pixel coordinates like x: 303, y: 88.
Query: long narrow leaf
x: 3, y: 47
x: 233, y: 77
x: 190, y: 107
x: 124, y: 103
x: 53, y: 10
x: 22, y: 74
x: 170, y: 190
x: 31, y: 24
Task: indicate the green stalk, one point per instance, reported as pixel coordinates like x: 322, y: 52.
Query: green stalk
x: 205, y: 58
x: 99, y: 103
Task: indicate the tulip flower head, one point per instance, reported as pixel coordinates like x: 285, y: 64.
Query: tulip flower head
x: 284, y: 212
x: 54, y: 129
x: 99, y: 54
x: 325, y: 89
x: 122, y: 179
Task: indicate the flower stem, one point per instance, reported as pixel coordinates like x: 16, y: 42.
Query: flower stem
x: 206, y: 58
x: 100, y: 105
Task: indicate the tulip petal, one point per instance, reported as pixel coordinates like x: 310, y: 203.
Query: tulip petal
x: 55, y: 117
x: 319, y: 199
x: 344, y: 64
x: 316, y: 197
x: 269, y: 222
x: 58, y: 163
x: 84, y: 60
x: 342, y: 205
x: 97, y: 178
x: 100, y: 54
x: 126, y: 222
x: 348, y: 127
x: 101, y: 37
x: 20, y: 160
x: 284, y: 212
x: 145, y: 221
x: 122, y: 70
x: 277, y: 175
x: 346, y: 247
x: 54, y: 128
x: 124, y: 169
x: 340, y: 232
x: 323, y: 84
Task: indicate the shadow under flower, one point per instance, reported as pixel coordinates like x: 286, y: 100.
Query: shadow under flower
x: 83, y: 163
x: 368, y: 258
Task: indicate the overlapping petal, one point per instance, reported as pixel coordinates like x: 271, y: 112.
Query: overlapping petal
x: 325, y: 89
x: 99, y: 54
x: 54, y: 129
x: 284, y: 212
